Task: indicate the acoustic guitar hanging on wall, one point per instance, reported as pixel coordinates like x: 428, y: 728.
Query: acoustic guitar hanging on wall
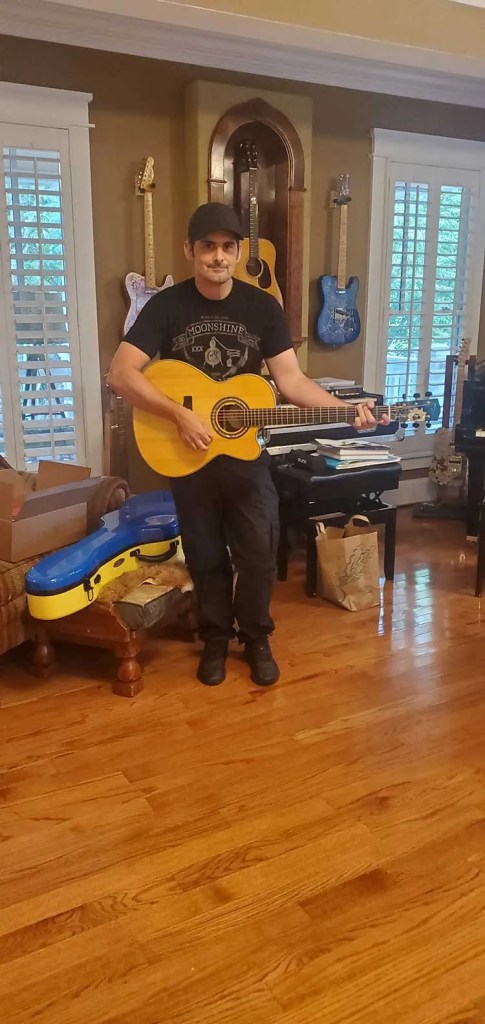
x: 257, y: 264
x: 141, y: 288
x: 339, y: 322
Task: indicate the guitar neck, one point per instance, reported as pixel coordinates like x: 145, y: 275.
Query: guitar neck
x: 292, y: 416
x: 253, y: 214
x: 150, y: 279
x: 460, y: 379
x: 342, y: 249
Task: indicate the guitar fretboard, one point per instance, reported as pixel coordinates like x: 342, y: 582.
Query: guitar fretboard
x: 150, y: 279
x: 342, y: 249
x: 253, y: 214
x: 290, y: 416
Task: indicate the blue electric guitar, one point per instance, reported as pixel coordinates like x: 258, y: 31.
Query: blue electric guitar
x: 339, y: 321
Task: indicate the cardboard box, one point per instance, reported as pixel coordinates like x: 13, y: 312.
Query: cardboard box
x: 46, y: 515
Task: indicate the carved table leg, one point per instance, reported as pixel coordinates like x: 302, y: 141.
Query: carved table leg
x: 43, y: 658
x: 129, y: 680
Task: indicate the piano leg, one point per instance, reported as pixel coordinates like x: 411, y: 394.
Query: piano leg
x: 480, y: 580
x: 476, y: 483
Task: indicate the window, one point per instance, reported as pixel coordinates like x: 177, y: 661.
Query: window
x: 426, y: 259
x: 49, y: 365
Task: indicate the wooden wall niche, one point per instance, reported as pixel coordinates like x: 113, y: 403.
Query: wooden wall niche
x: 281, y: 174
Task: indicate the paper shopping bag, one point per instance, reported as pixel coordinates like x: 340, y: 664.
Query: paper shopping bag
x: 348, y: 564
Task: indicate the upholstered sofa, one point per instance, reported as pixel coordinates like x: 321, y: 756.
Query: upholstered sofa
x: 14, y: 630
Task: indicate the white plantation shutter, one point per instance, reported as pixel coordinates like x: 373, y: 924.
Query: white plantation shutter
x: 427, y: 246
x: 49, y: 380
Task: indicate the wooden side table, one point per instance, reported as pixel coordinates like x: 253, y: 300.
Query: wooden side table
x: 102, y: 625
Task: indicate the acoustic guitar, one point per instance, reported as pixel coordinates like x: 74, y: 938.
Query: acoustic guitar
x: 338, y: 322
x: 258, y: 255
x: 141, y: 288
x: 235, y: 411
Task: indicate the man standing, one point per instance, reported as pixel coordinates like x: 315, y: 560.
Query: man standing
x: 224, y: 327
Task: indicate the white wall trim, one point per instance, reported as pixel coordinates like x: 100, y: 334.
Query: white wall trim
x: 412, y: 147
x: 65, y: 113
x: 411, y: 490
x: 219, y: 39
x: 33, y: 105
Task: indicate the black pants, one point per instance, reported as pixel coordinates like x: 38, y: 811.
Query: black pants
x: 230, y: 504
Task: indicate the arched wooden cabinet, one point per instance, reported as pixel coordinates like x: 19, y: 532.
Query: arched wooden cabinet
x: 281, y: 188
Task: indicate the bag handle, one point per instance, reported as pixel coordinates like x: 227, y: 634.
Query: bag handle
x: 358, y: 525
x: 358, y: 520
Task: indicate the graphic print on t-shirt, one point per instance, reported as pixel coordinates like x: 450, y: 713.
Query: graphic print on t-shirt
x: 219, y: 347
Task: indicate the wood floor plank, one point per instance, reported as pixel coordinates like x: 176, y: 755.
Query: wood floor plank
x: 309, y: 854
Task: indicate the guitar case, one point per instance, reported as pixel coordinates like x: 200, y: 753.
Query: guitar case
x: 144, y: 529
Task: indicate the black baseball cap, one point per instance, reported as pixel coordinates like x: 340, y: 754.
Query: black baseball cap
x: 213, y: 217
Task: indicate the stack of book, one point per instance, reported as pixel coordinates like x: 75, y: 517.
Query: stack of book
x: 354, y: 453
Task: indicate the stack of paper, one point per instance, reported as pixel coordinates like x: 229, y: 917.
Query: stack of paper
x: 353, y: 453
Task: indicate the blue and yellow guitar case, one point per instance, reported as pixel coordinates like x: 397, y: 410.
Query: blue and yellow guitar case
x: 144, y: 529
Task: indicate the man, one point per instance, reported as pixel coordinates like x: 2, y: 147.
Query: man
x: 224, y: 327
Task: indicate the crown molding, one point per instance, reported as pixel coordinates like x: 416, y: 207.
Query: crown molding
x: 207, y: 38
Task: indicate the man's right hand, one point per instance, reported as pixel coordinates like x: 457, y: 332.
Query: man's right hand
x: 192, y: 431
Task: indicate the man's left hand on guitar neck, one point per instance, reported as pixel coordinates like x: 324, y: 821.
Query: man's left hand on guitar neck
x: 301, y: 391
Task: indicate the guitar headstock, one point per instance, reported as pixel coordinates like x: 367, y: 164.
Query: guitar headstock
x: 343, y: 197
x: 145, y: 179
x: 419, y: 410
x: 248, y: 154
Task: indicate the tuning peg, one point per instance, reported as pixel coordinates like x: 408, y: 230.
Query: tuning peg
x: 416, y: 394
x: 428, y: 394
x: 404, y: 396
x: 416, y: 424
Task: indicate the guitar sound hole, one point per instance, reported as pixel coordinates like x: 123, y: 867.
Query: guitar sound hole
x: 254, y: 266
x: 230, y: 419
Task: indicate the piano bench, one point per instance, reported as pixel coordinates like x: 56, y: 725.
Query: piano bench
x: 305, y: 498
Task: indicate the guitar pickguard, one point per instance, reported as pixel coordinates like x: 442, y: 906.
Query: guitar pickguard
x: 139, y: 295
x: 339, y: 320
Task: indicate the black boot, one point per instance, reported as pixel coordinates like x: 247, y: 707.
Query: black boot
x: 264, y: 670
x: 212, y: 665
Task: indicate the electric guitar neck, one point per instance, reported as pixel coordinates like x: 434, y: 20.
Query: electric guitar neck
x: 141, y: 287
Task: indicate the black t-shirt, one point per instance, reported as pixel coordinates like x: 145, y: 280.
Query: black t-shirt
x: 222, y: 337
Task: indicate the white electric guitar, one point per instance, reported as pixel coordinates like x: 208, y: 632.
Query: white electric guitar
x: 447, y: 466
x: 140, y: 289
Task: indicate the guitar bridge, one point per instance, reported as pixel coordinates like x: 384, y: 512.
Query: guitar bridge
x: 187, y: 402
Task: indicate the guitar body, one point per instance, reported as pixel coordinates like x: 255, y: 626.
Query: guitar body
x: 447, y: 466
x: 158, y: 439
x: 259, y: 271
x: 339, y: 321
x: 139, y: 294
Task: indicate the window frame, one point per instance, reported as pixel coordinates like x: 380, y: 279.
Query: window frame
x: 37, y: 108
x: 421, y: 151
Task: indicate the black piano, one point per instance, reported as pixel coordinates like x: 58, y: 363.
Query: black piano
x: 470, y: 441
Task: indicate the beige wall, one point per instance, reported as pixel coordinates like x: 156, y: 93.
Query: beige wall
x: 138, y: 108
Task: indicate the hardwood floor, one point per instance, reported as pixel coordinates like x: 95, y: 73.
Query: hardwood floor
x: 310, y: 854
